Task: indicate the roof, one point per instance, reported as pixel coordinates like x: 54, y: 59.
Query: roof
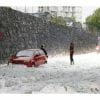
x: 30, y: 49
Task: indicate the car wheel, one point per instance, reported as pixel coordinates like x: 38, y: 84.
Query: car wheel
x: 45, y: 62
x: 29, y: 64
x: 35, y: 65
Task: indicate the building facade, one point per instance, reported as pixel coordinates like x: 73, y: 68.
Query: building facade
x: 64, y: 11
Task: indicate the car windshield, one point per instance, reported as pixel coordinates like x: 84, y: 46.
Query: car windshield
x: 25, y: 53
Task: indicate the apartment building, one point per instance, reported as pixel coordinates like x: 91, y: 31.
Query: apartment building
x: 64, y: 11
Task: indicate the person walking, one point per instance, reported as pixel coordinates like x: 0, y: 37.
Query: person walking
x: 44, y: 50
x: 71, y: 53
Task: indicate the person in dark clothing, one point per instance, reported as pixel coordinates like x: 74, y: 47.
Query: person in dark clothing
x: 71, y: 53
x: 44, y: 50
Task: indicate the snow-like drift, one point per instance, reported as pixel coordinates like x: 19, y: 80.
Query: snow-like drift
x: 58, y: 76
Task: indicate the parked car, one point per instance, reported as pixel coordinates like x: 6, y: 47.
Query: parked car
x: 29, y: 57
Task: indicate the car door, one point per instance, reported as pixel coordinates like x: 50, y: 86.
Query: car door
x: 37, y: 58
x: 42, y: 57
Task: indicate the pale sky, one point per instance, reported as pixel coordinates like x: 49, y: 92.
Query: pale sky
x: 86, y: 11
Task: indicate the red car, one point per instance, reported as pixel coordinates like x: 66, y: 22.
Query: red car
x: 29, y: 57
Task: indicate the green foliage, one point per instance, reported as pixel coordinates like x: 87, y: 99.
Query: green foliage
x: 93, y: 21
x: 58, y: 20
x: 73, y: 19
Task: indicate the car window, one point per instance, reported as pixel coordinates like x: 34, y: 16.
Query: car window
x: 36, y: 53
x: 25, y: 53
x: 41, y: 52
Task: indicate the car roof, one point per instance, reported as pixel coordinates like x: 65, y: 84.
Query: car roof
x: 31, y: 49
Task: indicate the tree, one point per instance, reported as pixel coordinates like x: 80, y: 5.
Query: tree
x: 58, y: 20
x: 93, y: 21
